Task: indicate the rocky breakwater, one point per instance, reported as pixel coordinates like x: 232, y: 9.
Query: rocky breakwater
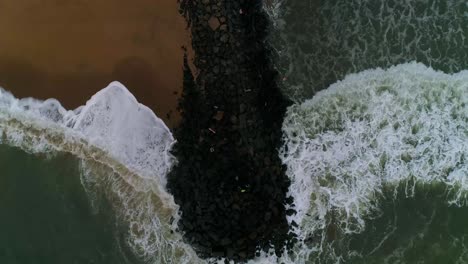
x: 229, y: 182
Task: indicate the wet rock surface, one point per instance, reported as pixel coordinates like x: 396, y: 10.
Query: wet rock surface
x: 229, y: 181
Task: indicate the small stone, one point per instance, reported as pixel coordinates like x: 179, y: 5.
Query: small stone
x: 223, y: 27
x: 233, y: 119
x: 267, y: 216
x: 219, y: 115
x: 260, y: 144
x: 226, y: 241
x: 230, y: 252
x: 224, y: 38
x: 214, y: 23
x: 242, y: 108
x: 212, y: 208
x: 188, y: 225
x: 290, y: 212
x: 240, y: 242
x: 275, y: 210
x: 213, y: 236
x: 294, y: 224
x: 242, y: 121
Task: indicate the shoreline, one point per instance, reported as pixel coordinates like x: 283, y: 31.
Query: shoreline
x: 229, y: 182
x: 70, y: 51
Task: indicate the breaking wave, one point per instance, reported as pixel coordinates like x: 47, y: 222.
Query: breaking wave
x: 375, y: 135
x: 124, y: 153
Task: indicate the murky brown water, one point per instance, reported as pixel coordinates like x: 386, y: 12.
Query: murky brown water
x: 71, y: 49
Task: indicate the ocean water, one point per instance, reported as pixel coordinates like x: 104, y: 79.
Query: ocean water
x: 376, y: 146
x: 46, y: 214
x: 321, y: 41
x: 86, y: 185
x: 359, y: 154
x: 376, y: 143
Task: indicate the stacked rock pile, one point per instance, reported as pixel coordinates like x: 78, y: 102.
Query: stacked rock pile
x: 229, y: 181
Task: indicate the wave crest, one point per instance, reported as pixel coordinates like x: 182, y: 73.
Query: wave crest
x: 124, y: 151
x: 367, y: 134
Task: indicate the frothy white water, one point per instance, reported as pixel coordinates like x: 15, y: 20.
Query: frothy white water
x: 124, y: 148
x: 344, y: 148
x: 114, y: 121
x: 362, y: 137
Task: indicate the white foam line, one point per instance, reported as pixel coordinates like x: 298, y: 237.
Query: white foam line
x: 113, y: 130
x: 112, y: 120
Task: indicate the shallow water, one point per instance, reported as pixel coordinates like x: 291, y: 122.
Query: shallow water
x: 116, y: 152
x: 46, y: 216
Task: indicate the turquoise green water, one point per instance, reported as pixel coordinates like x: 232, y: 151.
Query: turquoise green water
x: 46, y: 216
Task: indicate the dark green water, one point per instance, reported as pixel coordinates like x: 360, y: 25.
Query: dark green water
x: 419, y: 229
x: 321, y: 41
x: 45, y: 214
x: 422, y: 228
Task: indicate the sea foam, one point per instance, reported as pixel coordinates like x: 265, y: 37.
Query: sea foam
x: 365, y: 135
x: 124, y: 151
